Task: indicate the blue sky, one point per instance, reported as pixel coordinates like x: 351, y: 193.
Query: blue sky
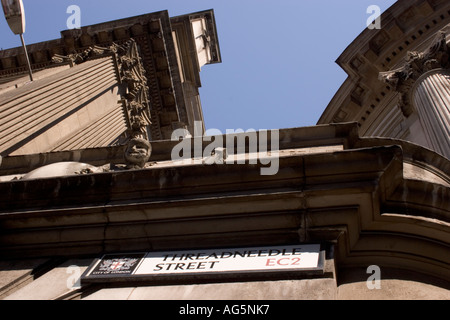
x: 278, y: 68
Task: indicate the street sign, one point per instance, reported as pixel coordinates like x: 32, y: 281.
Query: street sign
x: 207, y: 263
x: 15, y: 15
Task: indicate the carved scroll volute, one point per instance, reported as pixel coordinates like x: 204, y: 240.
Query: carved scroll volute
x: 416, y: 64
x: 136, y: 103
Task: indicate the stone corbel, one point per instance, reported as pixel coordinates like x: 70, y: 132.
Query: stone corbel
x: 416, y: 64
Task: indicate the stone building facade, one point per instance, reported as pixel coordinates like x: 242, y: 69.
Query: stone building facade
x: 397, y: 83
x: 107, y: 78
x: 362, y: 197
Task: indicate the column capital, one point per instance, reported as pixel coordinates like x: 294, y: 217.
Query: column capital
x: 402, y: 79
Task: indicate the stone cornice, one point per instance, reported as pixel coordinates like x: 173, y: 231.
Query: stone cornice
x: 402, y: 79
x: 339, y: 197
x: 324, y: 135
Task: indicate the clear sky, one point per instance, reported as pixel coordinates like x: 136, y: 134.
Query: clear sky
x: 278, y: 68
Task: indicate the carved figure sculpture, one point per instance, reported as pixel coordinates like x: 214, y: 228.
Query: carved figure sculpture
x: 137, y: 153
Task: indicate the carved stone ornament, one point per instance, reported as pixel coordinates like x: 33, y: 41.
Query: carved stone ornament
x: 136, y: 102
x: 77, y: 58
x: 131, y: 73
x: 416, y: 64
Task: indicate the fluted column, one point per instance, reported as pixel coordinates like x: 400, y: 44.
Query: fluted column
x: 431, y: 98
x: 423, y: 83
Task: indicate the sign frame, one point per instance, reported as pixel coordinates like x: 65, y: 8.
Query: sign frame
x: 15, y: 15
x: 131, y: 275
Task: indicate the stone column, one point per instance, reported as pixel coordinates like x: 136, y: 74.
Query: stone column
x: 424, y: 86
x: 431, y: 98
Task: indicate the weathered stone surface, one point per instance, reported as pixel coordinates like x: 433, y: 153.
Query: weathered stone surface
x: 317, y: 289
x: 394, y: 285
x: 54, y: 283
x: 15, y: 274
